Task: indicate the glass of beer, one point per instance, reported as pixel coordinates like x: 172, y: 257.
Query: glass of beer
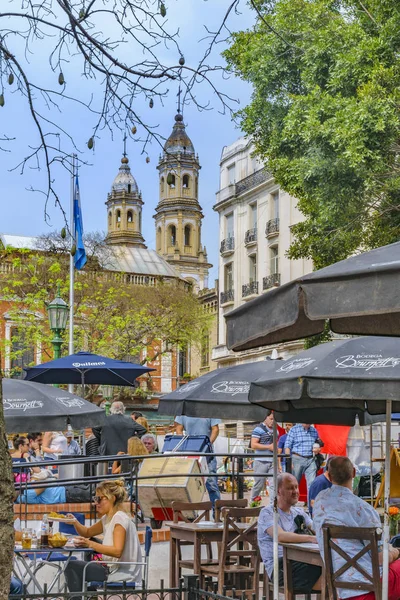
x: 27, y: 539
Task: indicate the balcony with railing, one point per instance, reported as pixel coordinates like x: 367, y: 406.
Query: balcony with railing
x: 250, y: 289
x: 272, y: 280
x: 227, y: 246
x: 250, y: 237
x: 251, y: 181
x: 227, y: 297
x: 272, y: 228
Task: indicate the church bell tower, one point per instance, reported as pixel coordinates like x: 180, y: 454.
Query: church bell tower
x: 178, y: 214
x: 124, y: 209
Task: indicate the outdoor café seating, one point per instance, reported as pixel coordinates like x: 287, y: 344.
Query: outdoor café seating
x: 336, y: 579
x: 238, y: 564
x: 179, y: 511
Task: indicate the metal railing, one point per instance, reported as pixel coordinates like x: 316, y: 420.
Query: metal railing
x: 249, y: 288
x: 252, y: 181
x: 228, y: 296
x: 272, y: 227
x: 250, y: 236
x: 227, y: 245
x: 271, y: 280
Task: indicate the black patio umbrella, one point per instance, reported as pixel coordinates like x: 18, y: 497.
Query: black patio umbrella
x: 38, y: 407
x: 222, y: 393
x: 359, y: 296
x: 86, y: 368
x: 333, y: 382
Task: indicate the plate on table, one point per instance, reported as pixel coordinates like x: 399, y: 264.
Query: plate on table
x: 61, y: 519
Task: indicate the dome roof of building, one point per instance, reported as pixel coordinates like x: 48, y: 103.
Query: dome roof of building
x: 141, y: 261
x: 179, y: 140
x: 125, y: 178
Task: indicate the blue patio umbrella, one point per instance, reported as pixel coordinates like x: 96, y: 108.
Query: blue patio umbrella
x: 87, y: 368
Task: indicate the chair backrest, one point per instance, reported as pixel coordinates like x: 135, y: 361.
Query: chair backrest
x: 179, y: 508
x: 67, y: 528
x: 243, y: 542
x: 228, y: 503
x: 336, y: 577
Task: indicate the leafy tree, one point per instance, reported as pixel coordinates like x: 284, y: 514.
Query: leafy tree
x: 112, y: 316
x: 325, y: 116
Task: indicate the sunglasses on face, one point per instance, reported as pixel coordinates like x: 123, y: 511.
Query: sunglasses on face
x: 97, y: 499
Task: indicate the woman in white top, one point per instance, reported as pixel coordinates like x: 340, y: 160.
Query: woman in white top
x: 54, y: 444
x: 120, y: 541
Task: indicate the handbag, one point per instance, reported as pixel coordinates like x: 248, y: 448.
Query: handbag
x: 301, y: 527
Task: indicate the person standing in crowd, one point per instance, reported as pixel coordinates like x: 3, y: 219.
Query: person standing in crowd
x: 73, y: 446
x: 210, y: 428
x: 299, y: 443
x: 35, y: 444
x: 322, y: 482
x: 113, y: 436
x: 143, y: 422
x: 291, y: 522
x: 281, y: 445
x: 262, y: 444
x: 339, y: 506
x: 136, y: 415
x: 54, y: 444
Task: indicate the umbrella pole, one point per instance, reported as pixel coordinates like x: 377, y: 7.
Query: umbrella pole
x: 371, y: 478
x: 385, y: 574
x: 83, y: 384
x: 275, y: 508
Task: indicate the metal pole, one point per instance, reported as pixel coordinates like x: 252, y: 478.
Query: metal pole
x: 71, y: 269
x: 385, y: 574
x: 371, y: 478
x: 275, y: 505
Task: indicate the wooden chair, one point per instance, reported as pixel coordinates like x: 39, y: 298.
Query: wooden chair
x: 178, y: 511
x: 228, y: 503
x: 238, y: 557
x: 335, y: 577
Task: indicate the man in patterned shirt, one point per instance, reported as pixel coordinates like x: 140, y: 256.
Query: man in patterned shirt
x: 299, y: 443
x: 339, y: 506
x: 262, y: 444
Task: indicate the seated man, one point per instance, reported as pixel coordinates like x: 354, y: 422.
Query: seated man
x: 55, y: 495
x: 290, y: 520
x: 339, y: 506
x: 150, y: 442
x: 321, y: 482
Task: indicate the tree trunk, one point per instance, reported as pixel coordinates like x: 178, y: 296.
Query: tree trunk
x: 6, y: 509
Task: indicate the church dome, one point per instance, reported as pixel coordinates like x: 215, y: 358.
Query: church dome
x: 125, y: 181
x: 179, y: 140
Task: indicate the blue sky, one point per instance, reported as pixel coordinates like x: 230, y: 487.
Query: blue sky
x: 22, y: 211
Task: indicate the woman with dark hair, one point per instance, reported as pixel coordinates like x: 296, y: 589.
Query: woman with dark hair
x: 120, y: 541
x: 20, y: 455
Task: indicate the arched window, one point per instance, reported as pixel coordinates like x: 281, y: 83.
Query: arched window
x: 197, y: 187
x: 118, y: 216
x: 185, y: 181
x: 187, y: 235
x: 172, y: 233
x: 162, y: 182
x: 129, y: 216
x: 129, y: 188
x: 110, y: 218
x: 159, y: 239
x: 171, y: 180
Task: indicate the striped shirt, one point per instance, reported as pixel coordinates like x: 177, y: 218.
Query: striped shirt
x: 263, y: 435
x: 300, y: 440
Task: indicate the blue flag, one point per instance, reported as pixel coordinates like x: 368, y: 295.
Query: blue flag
x: 80, y: 254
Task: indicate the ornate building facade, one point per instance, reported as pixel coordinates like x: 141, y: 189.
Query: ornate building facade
x: 178, y: 216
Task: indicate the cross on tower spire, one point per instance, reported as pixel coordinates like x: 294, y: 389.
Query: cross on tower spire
x: 124, y: 154
x: 179, y: 99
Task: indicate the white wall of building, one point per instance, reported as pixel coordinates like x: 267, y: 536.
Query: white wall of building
x: 248, y: 202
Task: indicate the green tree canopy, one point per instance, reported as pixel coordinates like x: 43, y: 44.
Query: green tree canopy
x: 325, y: 115
x: 112, y: 316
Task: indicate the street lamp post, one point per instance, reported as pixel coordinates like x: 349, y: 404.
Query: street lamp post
x: 57, y: 311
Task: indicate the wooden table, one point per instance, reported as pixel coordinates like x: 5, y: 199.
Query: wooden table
x: 306, y: 553
x: 197, y: 534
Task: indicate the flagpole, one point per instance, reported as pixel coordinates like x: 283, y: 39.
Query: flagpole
x: 71, y: 270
